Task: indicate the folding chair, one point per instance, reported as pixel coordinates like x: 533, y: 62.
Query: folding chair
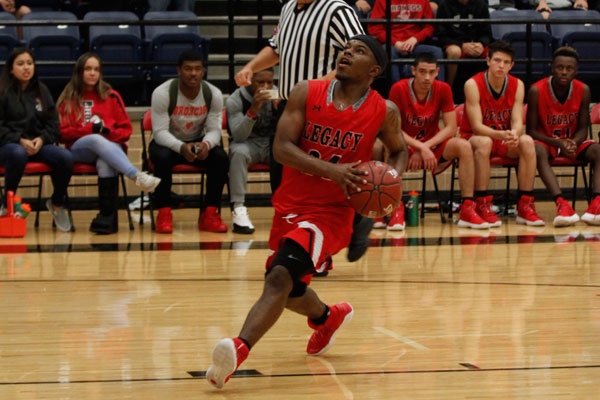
x: 147, y: 165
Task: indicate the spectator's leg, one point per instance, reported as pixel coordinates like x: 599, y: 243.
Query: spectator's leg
x: 453, y: 52
x: 163, y: 159
x: 61, y: 162
x: 241, y: 159
x: 13, y: 157
x: 217, y: 164
x: 110, y: 152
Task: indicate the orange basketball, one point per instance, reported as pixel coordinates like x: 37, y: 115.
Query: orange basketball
x: 381, y: 194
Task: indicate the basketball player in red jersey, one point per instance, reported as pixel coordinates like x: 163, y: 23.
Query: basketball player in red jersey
x: 421, y: 100
x: 557, y: 118
x: 494, y: 126
x: 326, y: 130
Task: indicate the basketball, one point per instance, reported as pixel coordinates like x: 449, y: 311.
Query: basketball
x: 381, y: 194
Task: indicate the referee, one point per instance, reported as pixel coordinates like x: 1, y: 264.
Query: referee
x: 306, y: 43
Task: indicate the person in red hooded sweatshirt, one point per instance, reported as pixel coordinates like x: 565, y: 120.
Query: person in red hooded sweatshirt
x: 407, y: 39
x: 95, y: 126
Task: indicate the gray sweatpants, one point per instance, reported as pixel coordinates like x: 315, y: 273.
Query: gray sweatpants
x: 243, y: 155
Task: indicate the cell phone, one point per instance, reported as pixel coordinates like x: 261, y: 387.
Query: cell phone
x: 273, y: 93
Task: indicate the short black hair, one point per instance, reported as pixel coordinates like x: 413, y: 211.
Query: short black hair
x: 428, y: 58
x: 190, y: 55
x: 501, y: 46
x: 566, y: 51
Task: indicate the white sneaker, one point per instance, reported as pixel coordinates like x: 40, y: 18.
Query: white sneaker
x: 241, y: 221
x: 61, y: 216
x: 146, y: 181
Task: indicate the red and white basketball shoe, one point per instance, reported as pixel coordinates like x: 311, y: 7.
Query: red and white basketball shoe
x: 483, y: 206
x: 397, y: 220
x: 526, y: 214
x: 469, y: 217
x: 324, y: 335
x: 592, y: 214
x: 565, y: 215
x: 227, y: 357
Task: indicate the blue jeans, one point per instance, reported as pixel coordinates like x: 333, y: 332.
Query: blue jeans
x: 14, y: 157
x: 400, y: 71
x: 108, y: 156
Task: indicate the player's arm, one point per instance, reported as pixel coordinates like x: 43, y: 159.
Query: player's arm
x: 393, y: 138
x: 584, y: 117
x: 473, y: 109
x: 287, y: 137
x: 516, y: 116
x: 448, y: 131
x: 533, y: 118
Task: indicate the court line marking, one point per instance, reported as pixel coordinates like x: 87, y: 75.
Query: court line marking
x: 329, y: 280
x: 477, y: 335
x: 306, y: 375
x: 404, y: 339
x: 262, y: 245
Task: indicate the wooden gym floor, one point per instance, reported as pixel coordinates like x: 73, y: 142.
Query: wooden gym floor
x: 440, y: 313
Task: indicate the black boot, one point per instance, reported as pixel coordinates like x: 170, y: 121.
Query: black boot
x: 108, y: 196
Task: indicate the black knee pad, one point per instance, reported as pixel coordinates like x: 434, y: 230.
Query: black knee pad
x: 297, y: 261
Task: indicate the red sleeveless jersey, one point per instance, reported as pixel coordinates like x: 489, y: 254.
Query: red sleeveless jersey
x: 421, y: 120
x: 557, y: 119
x: 496, y: 113
x: 334, y: 136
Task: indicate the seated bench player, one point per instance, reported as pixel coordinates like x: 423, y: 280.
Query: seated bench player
x: 557, y: 118
x: 421, y: 100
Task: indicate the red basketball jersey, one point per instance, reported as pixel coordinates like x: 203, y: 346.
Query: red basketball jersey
x: 334, y: 136
x: 557, y: 119
x: 496, y: 113
x: 421, y: 120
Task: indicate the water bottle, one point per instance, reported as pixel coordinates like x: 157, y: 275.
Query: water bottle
x: 412, y: 209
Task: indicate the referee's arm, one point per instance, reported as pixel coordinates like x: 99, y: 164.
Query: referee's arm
x: 264, y: 59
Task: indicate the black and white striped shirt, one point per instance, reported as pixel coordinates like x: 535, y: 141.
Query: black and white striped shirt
x: 308, y: 40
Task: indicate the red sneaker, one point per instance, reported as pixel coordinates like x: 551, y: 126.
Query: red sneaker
x: 592, y: 214
x: 469, y: 217
x: 483, y: 207
x: 526, y: 214
x: 227, y: 357
x: 164, y: 220
x: 397, y: 220
x: 324, y: 335
x: 210, y: 220
x: 565, y: 215
x: 379, y: 223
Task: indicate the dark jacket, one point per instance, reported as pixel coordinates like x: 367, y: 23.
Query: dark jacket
x: 466, y: 32
x: 21, y: 116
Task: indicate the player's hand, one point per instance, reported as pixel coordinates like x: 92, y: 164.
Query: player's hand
x: 363, y: 6
x: 244, y: 77
x: 581, y: 4
x: 347, y: 176
x: 429, y: 160
x: 415, y: 162
x: 202, y: 149
x: 511, y: 139
x: 188, y: 151
x: 567, y: 147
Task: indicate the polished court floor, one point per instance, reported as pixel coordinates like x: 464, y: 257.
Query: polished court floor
x: 440, y: 313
